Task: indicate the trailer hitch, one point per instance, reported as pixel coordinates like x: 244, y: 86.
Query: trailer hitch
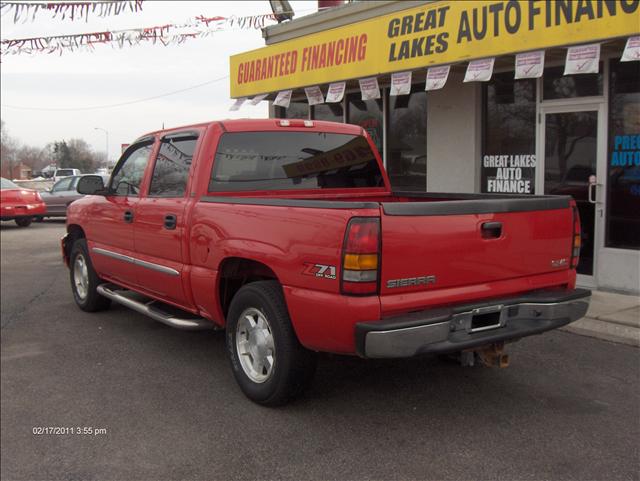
x: 490, y: 355
x: 493, y: 355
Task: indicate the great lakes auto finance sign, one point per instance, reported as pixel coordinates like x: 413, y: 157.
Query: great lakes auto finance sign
x: 435, y: 33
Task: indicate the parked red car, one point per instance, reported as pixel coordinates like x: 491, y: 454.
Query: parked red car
x: 19, y: 204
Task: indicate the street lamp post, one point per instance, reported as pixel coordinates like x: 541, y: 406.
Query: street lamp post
x: 107, y: 144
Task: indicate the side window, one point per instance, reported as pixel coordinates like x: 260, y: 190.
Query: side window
x: 130, y: 170
x: 64, y: 184
x: 74, y: 183
x: 171, y: 170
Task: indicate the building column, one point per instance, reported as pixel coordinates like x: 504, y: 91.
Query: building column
x: 454, y: 136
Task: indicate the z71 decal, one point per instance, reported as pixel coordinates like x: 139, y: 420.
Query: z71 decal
x: 319, y: 270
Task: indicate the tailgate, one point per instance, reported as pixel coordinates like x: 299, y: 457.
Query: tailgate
x: 432, y: 245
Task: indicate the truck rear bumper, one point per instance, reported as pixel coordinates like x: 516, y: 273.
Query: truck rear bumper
x: 443, y: 330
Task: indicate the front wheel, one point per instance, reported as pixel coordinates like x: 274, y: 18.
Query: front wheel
x: 84, y: 280
x: 23, y: 221
x: 268, y: 361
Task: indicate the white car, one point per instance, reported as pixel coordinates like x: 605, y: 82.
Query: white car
x: 62, y: 173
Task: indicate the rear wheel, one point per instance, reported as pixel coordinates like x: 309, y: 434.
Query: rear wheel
x: 84, y: 280
x: 23, y: 221
x: 268, y: 361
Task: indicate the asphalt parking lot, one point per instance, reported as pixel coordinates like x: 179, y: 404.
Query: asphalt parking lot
x: 157, y: 403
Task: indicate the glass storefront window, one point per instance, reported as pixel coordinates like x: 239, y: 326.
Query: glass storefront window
x: 555, y: 85
x: 509, y: 146
x: 407, y: 141
x: 623, y: 160
x: 333, y: 112
x: 366, y: 114
x: 296, y: 110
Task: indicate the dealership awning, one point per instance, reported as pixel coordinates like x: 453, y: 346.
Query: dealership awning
x: 435, y: 33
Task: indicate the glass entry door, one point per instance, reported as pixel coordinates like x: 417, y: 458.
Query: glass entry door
x: 572, y: 141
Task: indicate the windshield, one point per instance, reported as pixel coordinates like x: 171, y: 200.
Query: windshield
x: 7, y: 184
x: 61, y: 172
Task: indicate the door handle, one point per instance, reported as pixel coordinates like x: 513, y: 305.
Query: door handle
x: 170, y: 221
x: 491, y: 230
x: 592, y: 193
x: 128, y: 216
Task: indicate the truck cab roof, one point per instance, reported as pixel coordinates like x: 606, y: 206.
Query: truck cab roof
x: 240, y: 125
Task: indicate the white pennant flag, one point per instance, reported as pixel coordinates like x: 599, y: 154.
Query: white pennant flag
x: 400, y: 83
x: 369, y: 88
x: 582, y: 59
x: 314, y: 95
x: 257, y: 99
x: 437, y: 77
x: 335, y: 92
x: 479, y: 70
x: 283, y: 99
x: 631, y: 50
x: 530, y: 65
x: 238, y: 103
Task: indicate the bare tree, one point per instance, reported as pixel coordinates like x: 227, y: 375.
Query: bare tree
x: 34, y: 157
x: 8, y: 149
x: 82, y: 157
x: 72, y: 153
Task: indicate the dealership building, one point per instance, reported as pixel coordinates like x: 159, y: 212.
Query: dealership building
x: 528, y: 97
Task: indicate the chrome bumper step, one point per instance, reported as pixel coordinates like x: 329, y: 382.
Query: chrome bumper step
x: 150, y: 308
x: 457, y: 328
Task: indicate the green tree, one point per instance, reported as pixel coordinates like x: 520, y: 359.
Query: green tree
x: 76, y: 154
x: 62, y: 154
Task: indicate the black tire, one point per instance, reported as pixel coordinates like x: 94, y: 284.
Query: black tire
x: 23, y: 221
x: 86, y: 296
x: 294, y: 366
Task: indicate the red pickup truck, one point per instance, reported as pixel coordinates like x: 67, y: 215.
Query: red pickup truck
x: 286, y: 234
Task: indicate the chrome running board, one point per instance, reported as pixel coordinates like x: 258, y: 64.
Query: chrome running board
x: 148, y: 309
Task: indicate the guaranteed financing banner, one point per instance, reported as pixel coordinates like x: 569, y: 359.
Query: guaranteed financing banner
x: 433, y: 34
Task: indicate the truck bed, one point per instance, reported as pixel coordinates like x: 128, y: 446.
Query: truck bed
x: 422, y: 203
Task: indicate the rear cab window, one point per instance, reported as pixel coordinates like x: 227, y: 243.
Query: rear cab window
x: 252, y: 161
x: 171, y: 169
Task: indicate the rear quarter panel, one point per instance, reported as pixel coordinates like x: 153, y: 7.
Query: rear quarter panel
x: 286, y: 239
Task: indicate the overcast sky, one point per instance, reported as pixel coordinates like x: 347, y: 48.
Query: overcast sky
x: 111, y: 75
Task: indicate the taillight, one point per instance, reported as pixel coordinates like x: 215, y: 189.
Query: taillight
x: 575, y: 240
x: 361, y: 256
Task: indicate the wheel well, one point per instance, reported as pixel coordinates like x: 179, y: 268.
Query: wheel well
x: 235, y: 272
x: 74, y: 232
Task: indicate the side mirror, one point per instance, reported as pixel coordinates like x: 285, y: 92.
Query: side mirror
x: 91, y: 185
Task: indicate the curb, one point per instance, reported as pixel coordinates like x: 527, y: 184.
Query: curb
x: 622, y: 333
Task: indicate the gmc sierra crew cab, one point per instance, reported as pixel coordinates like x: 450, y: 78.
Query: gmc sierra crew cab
x: 287, y: 235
